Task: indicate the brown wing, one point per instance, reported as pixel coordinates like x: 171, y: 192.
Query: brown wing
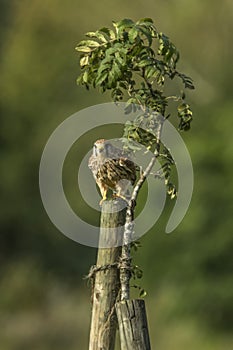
x: 114, y: 170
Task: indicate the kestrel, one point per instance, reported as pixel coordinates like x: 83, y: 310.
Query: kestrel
x: 111, y: 169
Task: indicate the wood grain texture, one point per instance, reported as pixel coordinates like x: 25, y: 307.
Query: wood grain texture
x: 133, y: 326
x: 107, y: 283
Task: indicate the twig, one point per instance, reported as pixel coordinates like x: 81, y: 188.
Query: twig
x: 125, y: 266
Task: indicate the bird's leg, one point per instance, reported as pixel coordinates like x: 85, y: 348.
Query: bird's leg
x: 120, y: 191
x: 103, y: 191
x: 119, y: 195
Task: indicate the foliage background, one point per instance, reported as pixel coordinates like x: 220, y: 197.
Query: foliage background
x: 44, y: 302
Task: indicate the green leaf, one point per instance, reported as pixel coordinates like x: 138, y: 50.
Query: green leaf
x: 147, y: 33
x: 120, y: 58
x: 83, y: 49
x: 185, y: 115
x: 91, y: 34
x: 85, y: 77
x: 188, y: 82
x: 144, y: 63
x: 79, y: 80
x: 111, y: 79
x: 84, y: 61
x: 142, y: 293
x: 111, y: 51
x: 151, y: 71
x: 90, y: 43
x: 126, y: 23
x: 171, y: 191
x: 102, y: 68
x: 112, y: 34
x: 116, y: 70
x: 133, y: 33
x: 109, y: 32
x: 102, y: 36
x: 101, y: 78
x: 117, y: 94
x: 138, y: 272
x: 145, y: 21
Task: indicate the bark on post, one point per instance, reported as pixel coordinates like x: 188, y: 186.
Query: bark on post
x: 133, y: 326
x: 106, y: 276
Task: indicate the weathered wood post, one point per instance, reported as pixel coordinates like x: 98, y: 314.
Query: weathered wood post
x: 131, y: 314
x: 133, y: 327
x: 106, y: 276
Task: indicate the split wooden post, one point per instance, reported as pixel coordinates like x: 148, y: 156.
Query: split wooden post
x: 131, y: 314
x: 106, y: 276
x: 133, y: 326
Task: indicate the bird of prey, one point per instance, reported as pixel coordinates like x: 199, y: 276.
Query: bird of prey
x: 111, y: 169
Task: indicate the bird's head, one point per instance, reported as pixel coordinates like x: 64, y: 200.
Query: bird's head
x: 105, y: 149
x: 100, y: 148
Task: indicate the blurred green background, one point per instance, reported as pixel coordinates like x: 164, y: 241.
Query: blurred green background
x: 44, y: 301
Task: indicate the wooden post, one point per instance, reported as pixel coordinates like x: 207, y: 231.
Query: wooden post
x: 106, y: 276
x: 133, y: 326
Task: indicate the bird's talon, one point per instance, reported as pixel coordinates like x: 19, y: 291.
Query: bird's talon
x: 115, y: 195
x: 101, y: 202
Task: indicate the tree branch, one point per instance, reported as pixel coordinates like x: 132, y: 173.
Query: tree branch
x: 125, y: 263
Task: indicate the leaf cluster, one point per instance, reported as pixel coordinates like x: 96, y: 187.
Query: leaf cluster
x: 133, y: 60
x: 137, y: 273
x: 165, y: 173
